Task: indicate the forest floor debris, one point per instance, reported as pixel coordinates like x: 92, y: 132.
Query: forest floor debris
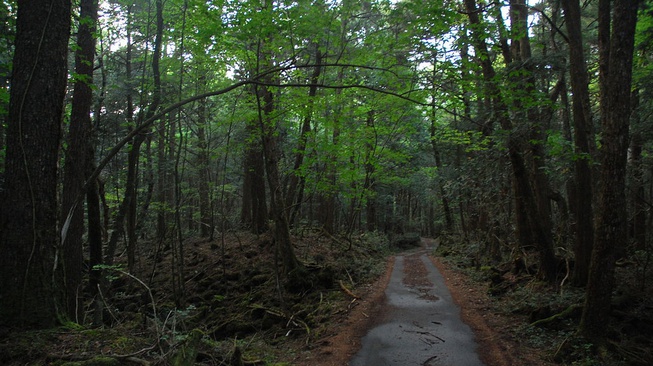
x: 230, y: 300
x: 229, y: 297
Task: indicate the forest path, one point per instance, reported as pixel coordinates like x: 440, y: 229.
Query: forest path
x: 419, y: 323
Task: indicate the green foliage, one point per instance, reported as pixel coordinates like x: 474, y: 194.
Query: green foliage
x: 111, y: 272
x: 471, y: 140
x: 4, y: 101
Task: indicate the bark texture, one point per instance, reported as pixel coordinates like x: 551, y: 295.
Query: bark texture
x: 29, y: 240
x: 78, y: 157
x: 611, y: 219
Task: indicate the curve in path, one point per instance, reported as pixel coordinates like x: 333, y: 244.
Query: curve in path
x: 421, y: 324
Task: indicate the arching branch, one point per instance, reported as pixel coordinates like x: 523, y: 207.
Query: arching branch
x: 253, y: 80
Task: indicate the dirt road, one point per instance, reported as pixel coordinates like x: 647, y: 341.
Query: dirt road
x: 420, y: 324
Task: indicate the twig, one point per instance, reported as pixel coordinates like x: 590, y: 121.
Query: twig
x: 347, y: 291
x: 425, y: 363
x: 149, y: 292
x: 562, y: 283
x: 133, y: 354
x: 106, y: 306
x: 351, y: 280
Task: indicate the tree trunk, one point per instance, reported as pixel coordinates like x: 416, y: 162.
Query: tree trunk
x: 127, y: 210
x: 94, y: 245
x: 295, y: 189
x: 131, y: 199
x: 29, y: 239
x: 281, y: 229
x: 118, y: 228
x: 541, y: 211
x: 582, y: 207
x: 254, y: 212
x: 77, y: 159
x: 448, y: 217
x: 206, y: 222
x: 369, y: 186
x: 532, y: 226
x: 639, y: 208
x: 162, y: 183
x: 611, y: 220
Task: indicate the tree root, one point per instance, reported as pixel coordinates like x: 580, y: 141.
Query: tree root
x: 291, y: 319
x: 555, y: 317
x: 636, y: 356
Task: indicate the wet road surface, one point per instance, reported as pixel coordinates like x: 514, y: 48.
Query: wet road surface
x: 422, y: 325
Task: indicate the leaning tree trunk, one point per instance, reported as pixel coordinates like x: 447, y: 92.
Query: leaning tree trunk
x: 29, y: 239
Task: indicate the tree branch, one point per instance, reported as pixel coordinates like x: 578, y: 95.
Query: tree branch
x: 253, y: 80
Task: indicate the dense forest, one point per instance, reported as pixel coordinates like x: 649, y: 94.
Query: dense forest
x: 135, y: 133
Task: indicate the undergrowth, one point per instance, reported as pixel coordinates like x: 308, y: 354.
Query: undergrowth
x: 546, y: 317
x: 234, y: 307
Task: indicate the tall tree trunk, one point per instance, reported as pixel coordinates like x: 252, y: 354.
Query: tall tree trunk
x: 543, y: 224
x: 444, y: 197
x: 583, y: 137
x: 295, y: 189
x: 638, y: 202
x: 94, y: 244
x: 118, y: 228
x: 254, y: 212
x: 570, y: 184
x: 178, y: 273
x: 29, y: 239
x: 611, y: 220
x: 269, y: 139
x: 448, y: 217
x: 268, y: 131
x: 162, y: 183
x: 77, y: 159
x: 134, y: 153
x: 128, y: 207
x: 327, y: 199
x: 531, y: 226
x: 369, y: 186
x: 206, y: 221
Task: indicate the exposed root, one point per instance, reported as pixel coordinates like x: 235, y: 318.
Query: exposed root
x: 560, y: 315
